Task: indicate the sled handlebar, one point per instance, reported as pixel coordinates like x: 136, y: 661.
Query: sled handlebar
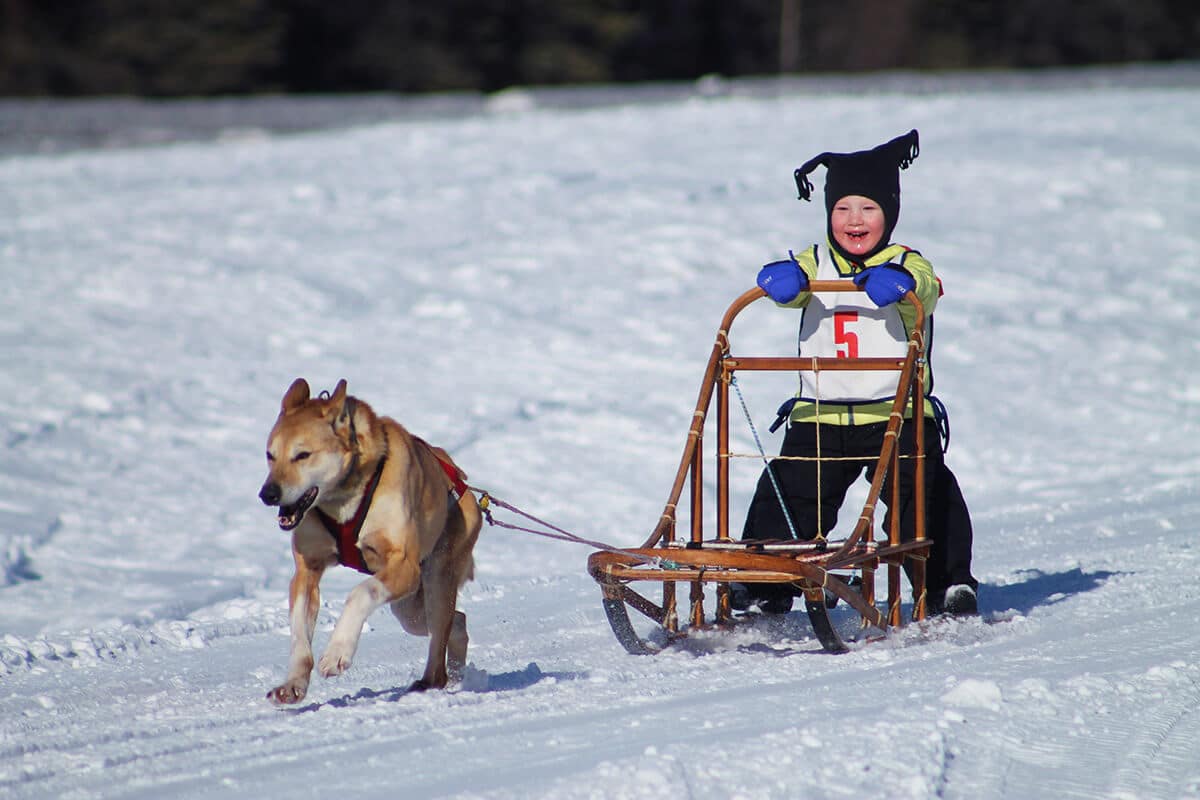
x: 751, y: 295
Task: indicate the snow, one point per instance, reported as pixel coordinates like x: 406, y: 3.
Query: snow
x: 536, y: 288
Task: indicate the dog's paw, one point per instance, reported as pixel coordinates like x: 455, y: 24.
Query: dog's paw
x: 289, y: 693
x: 334, y: 661
x: 424, y: 684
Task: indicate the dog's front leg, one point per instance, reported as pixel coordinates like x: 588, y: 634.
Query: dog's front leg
x: 399, y: 578
x: 304, y: 601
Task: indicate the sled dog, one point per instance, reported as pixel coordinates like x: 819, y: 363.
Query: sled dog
x: 358, y: 489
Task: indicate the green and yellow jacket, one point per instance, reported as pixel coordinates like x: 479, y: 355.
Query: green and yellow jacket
x: 927, y: 290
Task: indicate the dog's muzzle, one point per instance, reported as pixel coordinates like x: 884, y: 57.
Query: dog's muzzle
x: 291, y: 514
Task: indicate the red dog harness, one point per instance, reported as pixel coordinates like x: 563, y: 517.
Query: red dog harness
x: 458, y: 487
x: 345, y: 534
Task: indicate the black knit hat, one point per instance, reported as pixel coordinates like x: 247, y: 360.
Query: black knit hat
x: 871, y: 173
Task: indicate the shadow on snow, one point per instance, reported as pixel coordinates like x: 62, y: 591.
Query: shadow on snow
x: 1040, y: 589
x: 475, y: 681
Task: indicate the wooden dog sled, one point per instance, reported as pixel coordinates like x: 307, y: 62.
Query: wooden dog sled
x: 820, y: 570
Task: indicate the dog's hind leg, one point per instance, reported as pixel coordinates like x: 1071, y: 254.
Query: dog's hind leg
x: 411, y: 613
x: 441, y: 593
x: 462, y: 530
x: 456, y: 650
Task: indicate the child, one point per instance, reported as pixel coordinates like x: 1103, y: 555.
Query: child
x: 862, y: 201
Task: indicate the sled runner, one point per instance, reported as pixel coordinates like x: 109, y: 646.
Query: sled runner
x: 819, y: 569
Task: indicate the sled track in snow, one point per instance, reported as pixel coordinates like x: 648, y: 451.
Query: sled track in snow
x: 1161, y: 761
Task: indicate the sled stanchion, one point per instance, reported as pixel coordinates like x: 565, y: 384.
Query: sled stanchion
x: 723, y: 455
x: 807, y: 567
x: 920, y: 596
x: 697, y: 497
x: 895, y: 617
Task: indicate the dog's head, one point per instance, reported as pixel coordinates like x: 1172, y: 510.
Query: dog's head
x: 310, y: 450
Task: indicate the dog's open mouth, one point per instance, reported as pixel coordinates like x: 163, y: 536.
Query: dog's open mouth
x: 290, y: 515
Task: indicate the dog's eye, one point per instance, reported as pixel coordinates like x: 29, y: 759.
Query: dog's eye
x: 303, y: 454
x: 270, y: 458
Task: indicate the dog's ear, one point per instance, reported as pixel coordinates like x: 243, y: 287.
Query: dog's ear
x: 338, y: 398
x: 340, y: 408
x: 336, y: 403
x: 296, y: 396
x: 336, y: 409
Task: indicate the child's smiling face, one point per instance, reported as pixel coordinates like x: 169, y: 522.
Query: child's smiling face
x: 857, y: 224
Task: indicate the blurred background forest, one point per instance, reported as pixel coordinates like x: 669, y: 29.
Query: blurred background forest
x: 170, y: 48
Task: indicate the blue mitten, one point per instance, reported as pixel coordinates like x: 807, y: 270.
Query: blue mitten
x: 782, y: 280
x: 885, y: 284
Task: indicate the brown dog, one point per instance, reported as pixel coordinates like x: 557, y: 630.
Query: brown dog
x: 358, y: 489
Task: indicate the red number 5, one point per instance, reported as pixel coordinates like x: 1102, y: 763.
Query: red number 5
x: 845, y: 342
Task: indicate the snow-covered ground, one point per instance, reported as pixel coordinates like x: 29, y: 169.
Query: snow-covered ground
x: 537, y: 289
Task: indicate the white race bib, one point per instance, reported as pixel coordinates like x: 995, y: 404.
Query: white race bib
x: 849, y: 325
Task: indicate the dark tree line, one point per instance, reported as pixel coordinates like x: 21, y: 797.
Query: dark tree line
x: 177, y: 47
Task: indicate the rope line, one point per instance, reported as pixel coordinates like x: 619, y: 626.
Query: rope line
x: 814, y: 458
x: 763, y: 455
x: 487, y: 500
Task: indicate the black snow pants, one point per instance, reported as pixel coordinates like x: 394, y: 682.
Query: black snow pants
x: 948, y: 522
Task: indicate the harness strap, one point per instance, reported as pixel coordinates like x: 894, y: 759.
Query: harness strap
x: 458, y: 486
x: 345, y: 534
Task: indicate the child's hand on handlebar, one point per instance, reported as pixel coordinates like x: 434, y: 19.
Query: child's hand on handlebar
x: 885, y: 284
x: 782, y: 280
